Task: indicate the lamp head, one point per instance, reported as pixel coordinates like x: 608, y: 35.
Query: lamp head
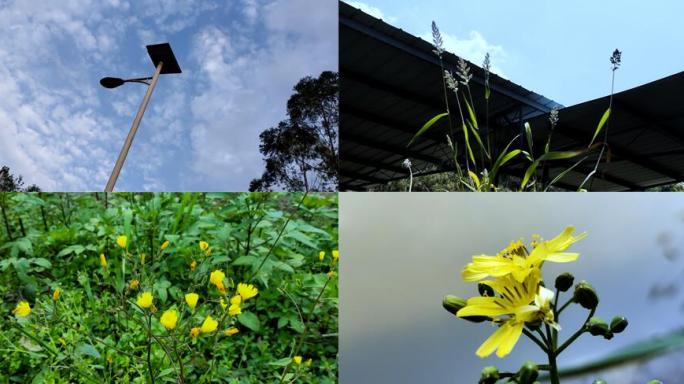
x: 111, y: 82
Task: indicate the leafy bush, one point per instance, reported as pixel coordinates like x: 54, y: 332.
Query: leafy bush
x: 107, y: 280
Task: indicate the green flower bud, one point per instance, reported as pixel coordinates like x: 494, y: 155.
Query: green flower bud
x: 618, y: 324
x: 454, y: 303
x: 490, y: 375
x: 655, y: 382
x: 485, y: 290
x: 585, y: 295
x: 599, y: 381
x: 528, y: 373
x: 564, y: 281
x: 597, y: 326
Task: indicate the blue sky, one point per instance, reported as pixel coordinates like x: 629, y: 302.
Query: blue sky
x: 240, y: 59
x: 559, y: 49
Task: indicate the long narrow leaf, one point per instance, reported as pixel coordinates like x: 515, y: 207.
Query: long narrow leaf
x: 499, y: 161
x: 467, y: 143
x: 473, y: 119
x: 475, y: 179
x: 427, y: 126
x: 556, y: 155
x: 476, y: 134
x: 562, y: 174
x: 601, y: 123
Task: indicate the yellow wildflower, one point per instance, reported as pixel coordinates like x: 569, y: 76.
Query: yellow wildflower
x: 234, y: 310
x: 516, y: 304
x: 103, y: 260
x: 134, y: 284
x: 122, y: 241
x: 231, y: 331
x: 247, y: 291
x: 145, y: 300
x: 142, y: 258
x: 55, y: 294
x: 331, y: 274
x: 217, y: 277
x: 195, y: 332
x: 321, y: 255
x: 193, y: 265
x: 165, y: 245
x: 517, y: 261
x: 223, y: 304
x: 203, y: 245
x: 169, y: 318
x: 335, y: 255
x: 297, y: 360
x: 23, y: 309
x: 191, y: 299
x: 209, y: 325
x: 236, y: 300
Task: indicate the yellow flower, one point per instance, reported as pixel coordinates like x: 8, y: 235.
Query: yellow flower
x: 321, y: 255
x: 209, y: 325
x: 217, y: 277
x: 234, y: 310
x: 517, y: 303
x: 142, y: 258
x: 236, y: 300
x: 193, y: 265
x: 169, y: 318
x: 191, y: 299
x: 195, y: 332
x: 165, y: 245
x: 331, y: 274
x: 223, y: 304
x: 203, y: 245
x: 134, y: 284
x: 247, y: 291
x: 145, y: 300
x: 62, y: 341
x: 55, y: 294
x: 335, y: 255
x: 23, y: 309
x: 297, y: 360
x: 517, y: 261
x: 103, y: 260
x: 122, y: 241
x: 231, y: 331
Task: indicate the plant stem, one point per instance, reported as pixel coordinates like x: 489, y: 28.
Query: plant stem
x: 149, y: 348
x: 536, y: 341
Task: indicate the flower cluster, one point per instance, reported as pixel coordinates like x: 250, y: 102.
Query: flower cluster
x: 513, y: 296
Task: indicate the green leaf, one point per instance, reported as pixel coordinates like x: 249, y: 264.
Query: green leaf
x: 245, y: 260
x: 562, y: 174
x: 601, y: 123
x: 281, y: 362
x: 42, y: 262
x: 471, y: 113
x: 426, y: 126
x: 556, y: 155
x: 75, y: 249
x: 504, y: 157
x: 87, y: 349
x: 467, y: 143
x: 249, y: 320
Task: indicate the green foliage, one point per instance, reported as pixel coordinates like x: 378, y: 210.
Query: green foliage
x: 96, y: 332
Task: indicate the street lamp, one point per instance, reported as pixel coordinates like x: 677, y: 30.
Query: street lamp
x: 165, y: 62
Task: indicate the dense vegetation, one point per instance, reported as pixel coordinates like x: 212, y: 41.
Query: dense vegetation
x: 99, y: 288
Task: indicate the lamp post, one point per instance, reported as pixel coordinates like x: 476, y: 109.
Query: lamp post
x: 165, y: 62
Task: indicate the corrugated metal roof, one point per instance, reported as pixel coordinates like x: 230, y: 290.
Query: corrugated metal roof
x: 391, y: 84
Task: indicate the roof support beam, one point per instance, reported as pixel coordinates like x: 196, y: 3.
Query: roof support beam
x: 373, y: 143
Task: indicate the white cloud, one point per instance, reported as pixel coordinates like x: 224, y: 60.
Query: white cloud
x: 473, y: 48
x: 371, y: 10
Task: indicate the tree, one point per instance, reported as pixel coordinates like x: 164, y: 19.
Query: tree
x: 10, y: 183
x: 301, y: 152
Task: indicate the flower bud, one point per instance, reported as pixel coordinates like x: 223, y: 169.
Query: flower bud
x: 655, y: 382
x: 564, y: 281
x: 528, y: 373
x: 599, y: 381
x: 454, y: 303
x: 489, y: 375
x: 585, y: 295
x: 485, y: 290
x: 597, y: 326
x: 618, y: 324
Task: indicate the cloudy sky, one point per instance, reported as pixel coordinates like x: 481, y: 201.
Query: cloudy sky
x: 240, y: 59
x: 557, y: 48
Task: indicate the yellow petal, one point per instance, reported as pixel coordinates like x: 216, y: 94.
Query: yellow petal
x: 492, y: 343
x: 510, y: 338
x: 562, y: 257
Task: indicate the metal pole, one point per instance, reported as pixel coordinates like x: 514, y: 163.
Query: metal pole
x: 131, y: 133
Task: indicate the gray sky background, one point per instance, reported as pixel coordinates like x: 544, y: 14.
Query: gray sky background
x: 402, y: 252
x: 240, y: 59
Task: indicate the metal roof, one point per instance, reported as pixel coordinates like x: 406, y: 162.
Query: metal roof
x: 391, y: 84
